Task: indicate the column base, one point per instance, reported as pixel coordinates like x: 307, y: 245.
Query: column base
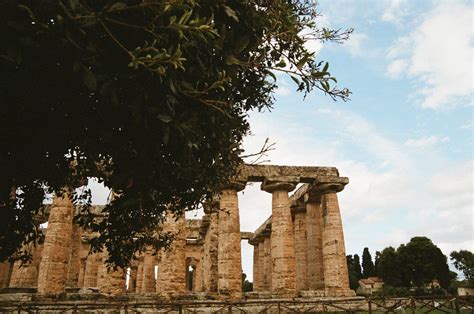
x: 309, y: 294
x: 339, y: 292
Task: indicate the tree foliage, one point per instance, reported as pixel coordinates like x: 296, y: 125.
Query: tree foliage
x: 464, y: 261
x: 151, y: 97
x: 368, y: 269
x: 415, y: 264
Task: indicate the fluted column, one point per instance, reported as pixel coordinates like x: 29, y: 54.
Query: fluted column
x: 267, y: 262
x: 172, y: 270
x: 299, y: 227
x: 336, y: 277
x: 75, y: 257
x: 148, y: 279
x: 26, y: 275
x: 5, y: 273
x: 109, y: 280
x: 139, y: 281
x: 282, y: 240
x: 209, y: 249
x: 92, y: 267
x: 132, y: 279
x: 315, y: 244
x: 53, y: 269
x: 261, y: 265
x: 229, y: 257
x: 256, y: 267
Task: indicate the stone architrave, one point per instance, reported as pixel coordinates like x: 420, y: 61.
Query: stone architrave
x: 336, y: 277
x: 148, y: 277
x: 256, y: 266
x: 282, y: 240
x: 110, y: 281
x: 53, y: 268
x: 172, y: 269
x: 229, y: 257
x: 315, y: 244
x: 299, y: 226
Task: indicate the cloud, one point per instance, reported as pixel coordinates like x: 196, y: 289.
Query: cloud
x: 356, y: 44
x: 396, y: 11
x: 467, y: 125
x: 437, y: 55
x: 426, y: 141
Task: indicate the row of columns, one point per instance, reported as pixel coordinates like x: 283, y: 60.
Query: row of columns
x: 306, y: 253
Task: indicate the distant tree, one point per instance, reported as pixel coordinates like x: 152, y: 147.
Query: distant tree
x: 353, y: 278
x: 464, y: 261
x: 357, y: 268
x: 247, y: 286
x: 389, y: 268
x: 376, y: 262
x: 367, y: 264
x: 421, y: 261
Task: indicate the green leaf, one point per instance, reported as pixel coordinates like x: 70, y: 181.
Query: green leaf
x: 303, y: 61
x: 230, y: 13
x: 88, y: 79
x: 118, y: 6
x: 230, y: 59
x: 165, y: 118
x: 295, y: 79
x: 326, y: 66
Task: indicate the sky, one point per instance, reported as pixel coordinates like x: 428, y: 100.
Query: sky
x: 405, y: 139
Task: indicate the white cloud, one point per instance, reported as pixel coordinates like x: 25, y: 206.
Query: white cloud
x: 426, y: 141
x: 467, y: 125
x: 356, y: 44
x: 395, y: 11
x: 438, y: 56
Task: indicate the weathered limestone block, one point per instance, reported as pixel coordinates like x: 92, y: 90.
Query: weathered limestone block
x: 53, y: 269
x: 210, y: 247
x: 110, y: 281
x: 229, y: 257
x: 336, y: 276
x: 300, y: 249
x: 282, y: 240
x: 148, y: 277
x: 315, y: 250
x: 172, y: 268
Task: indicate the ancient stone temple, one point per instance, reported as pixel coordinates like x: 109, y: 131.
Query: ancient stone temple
x: 298, y: 251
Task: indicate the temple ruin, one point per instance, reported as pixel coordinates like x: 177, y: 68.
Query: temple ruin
x: 298, y: 251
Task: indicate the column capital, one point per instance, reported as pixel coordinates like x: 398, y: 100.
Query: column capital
x: 287, y: 184
x: 234, y: 185
x: 332, y: 187
x: 211, y: 205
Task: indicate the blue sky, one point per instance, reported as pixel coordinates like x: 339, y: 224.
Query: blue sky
x: 405, y: 140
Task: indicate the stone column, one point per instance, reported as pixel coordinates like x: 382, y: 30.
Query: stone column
x: 299, y: 227
x: 210, y: 248
x: 315, y: 244
x: 282, y: 240
x: 75, y: 257
x: 5, y: 272
x: 53, y: 269
x: 256, y: 267
x: 336, y: 277
x: 148, y: 278
x: 139, y: 281
x: 132, y: 279
x: 110, y: 281
x: 229, y: 257
x: 261, y: 265
x: 267, y: 262
x: 82, y: 272
x: 172, y: 271
x: 90, y: 273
